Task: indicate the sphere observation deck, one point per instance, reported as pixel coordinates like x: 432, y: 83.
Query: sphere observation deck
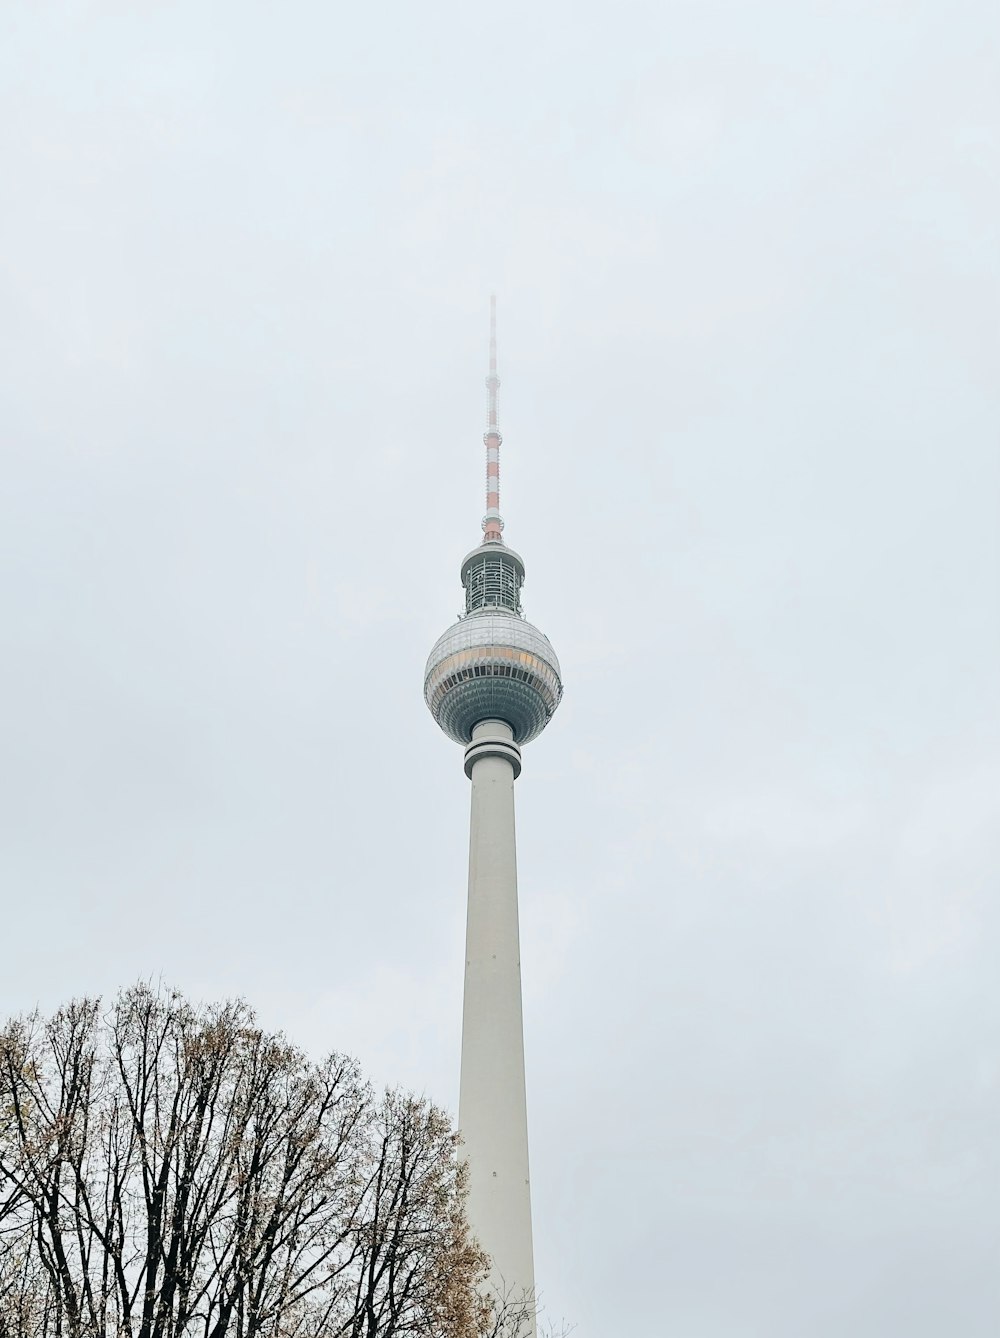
x: 492, y: 664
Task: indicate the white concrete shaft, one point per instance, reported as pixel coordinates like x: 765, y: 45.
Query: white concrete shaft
x: 492, y: 1110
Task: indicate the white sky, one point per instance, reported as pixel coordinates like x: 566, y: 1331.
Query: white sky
x: 747, y: 260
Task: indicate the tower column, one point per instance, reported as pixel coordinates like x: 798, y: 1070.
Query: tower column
x: 492, y: 1108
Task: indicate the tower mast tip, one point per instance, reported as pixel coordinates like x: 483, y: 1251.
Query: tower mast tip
x: 492, y: 521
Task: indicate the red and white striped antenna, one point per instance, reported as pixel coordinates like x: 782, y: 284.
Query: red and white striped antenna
x: 492, y: 521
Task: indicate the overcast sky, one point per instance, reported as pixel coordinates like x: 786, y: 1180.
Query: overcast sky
x: 747, y: 261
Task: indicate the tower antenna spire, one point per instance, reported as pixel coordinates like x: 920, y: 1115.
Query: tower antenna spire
x: 492, y: 521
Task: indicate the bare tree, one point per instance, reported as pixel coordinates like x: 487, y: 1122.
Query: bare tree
x: 174, y: 1172
x: 509, y: 1314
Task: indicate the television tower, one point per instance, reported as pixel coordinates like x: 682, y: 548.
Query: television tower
x: 493, y: 683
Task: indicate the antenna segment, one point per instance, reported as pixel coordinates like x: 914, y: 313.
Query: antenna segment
x: 492, y: 521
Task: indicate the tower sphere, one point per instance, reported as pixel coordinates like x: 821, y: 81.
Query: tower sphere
x: 492, y: 665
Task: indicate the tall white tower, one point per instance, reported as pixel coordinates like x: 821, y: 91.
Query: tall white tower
x: 492, y: 684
